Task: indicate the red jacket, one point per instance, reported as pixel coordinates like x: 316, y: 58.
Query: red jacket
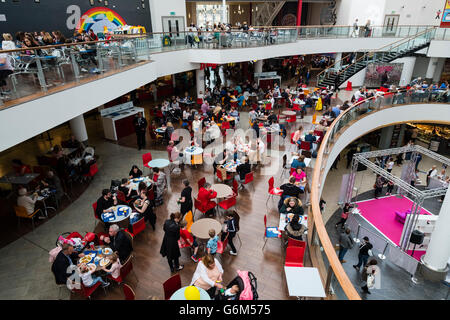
x: 205, y: 196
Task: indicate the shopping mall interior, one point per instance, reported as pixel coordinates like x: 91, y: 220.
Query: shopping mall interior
x: 225, y: 150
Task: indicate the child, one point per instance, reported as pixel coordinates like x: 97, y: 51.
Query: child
x: 231, y: 293
x: 186, y: 236
x: 390, y: 188
x: 211, y: 246
x: 88, y: 279
x: 114, y: 270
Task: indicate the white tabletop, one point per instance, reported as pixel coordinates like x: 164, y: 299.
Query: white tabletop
x: 222, y: 190
x: 196, y: 151
x: 179, y: 294
x: 201, y: 227
x: 282, y: 224
x: 289, y: 113
x: 304, y: 282
x: 134, y: 183
x: 159, y: 163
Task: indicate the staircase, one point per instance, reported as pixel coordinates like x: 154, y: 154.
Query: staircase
x: 338, y: 74
x: 267, y: 11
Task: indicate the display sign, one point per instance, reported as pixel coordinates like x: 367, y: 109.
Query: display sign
x: 265, y: 74
x: 445, y: 20
x: 207, y: 65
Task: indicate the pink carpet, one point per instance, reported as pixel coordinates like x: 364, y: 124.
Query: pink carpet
x: 381, y: 214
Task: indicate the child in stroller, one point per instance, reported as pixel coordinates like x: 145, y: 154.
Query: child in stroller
x: 243, y: 287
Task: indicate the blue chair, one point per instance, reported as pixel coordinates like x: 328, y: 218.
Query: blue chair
x: 269, y: 232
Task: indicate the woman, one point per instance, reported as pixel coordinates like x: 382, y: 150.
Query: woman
x: 295, y: 229
x: 170, y: 129
x: 186, y: 114
x: 186, y: 198
x: 161, y: 185
x: 169, y: 246
x: 8, y: 43
x: 208, y: 275
x: 47, y: 39
x: 344, y: 215
x: 292, y: 205
x: 370, y: 269
x: 300, y: 177
x: 297, y: 134
x: 145, y: 209
x: 135, y: 172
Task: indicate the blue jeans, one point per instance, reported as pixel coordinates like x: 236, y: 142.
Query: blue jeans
x: 362, y: 260
x: 342, y: 252
x: 97, y: 279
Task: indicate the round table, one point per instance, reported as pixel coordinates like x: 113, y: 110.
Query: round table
x: 201, y: 227
x: 193, y: 151
x: 98, y: 251
x: 159, y: 163
x: 262, y: 118
x: 179, y: 294
x: 133, y: 184
x: 223, y: 190
x: 229, y: 119
x: 231, y: 166
x: 160, y: 130
x: 289, y: 113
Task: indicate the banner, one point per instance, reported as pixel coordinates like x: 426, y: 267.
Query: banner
x: 445, y: 20
x: 207, y: 65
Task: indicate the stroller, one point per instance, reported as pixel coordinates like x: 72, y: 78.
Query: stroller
x: 246, y: 281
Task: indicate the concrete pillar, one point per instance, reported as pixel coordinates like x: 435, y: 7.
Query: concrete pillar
x: 78, y: 128
x: 438, y: 252
x: 200, y: 77
x: 299, y: 12
x: 386, y: 137
x: 408, y: 68
x: 224, y: 11
x: 439, y: 69
x: 259, y: 66
x: 337, y: 60
x: 432, y: 64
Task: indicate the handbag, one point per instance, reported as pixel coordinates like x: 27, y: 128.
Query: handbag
x: 370, y: 281
x: 370, y: 252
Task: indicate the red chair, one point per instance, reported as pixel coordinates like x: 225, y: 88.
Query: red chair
x: 296, y: 243
x: 88, y: 291
x: 121, y: 196
x: 150, y: 194
x: 235, y: 188
x: 225, y: 125
x: 228, y: 203
x: 295, y: 107
x: 291, y: 119
x: 199, y: 101
x: 270, y: 232
x: 138, y: 227
x: 94, y: 206
x: 220, y: 177
x: 171, y: 285
x: 146, y: 158
x: 248, y: 179
x: 305, y: 145
x: 268, y: 106
x: 127, y: 267
x: 201, y: 182
x: 128, y: 292
x: 294, y: 257
x: 272, y: 191
x: 93, y: 169
x: 199, y: 206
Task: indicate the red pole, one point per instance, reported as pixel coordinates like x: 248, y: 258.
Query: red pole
x: 299, y: 13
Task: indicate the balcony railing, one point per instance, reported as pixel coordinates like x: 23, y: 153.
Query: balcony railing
x: 42, y: 70
x: 322, y: 251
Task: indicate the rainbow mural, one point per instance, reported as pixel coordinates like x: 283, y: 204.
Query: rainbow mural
x: 99, y: 17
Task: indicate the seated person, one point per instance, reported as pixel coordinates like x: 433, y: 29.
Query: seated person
x: 289, y: 190
x: 294, y: 229
x: 114, y: 269
x: 63, y: 261
x: 128, y: 192
x: 20, y: 168
x: 292, y: 205
x: 205, y: 194
x: 272, y: 118
x: 87, y: 278
x: 105, y: 202
x: 74, y: 143
x: 119, y: 242
x: 310, y: 137
x: 54, y: 183
x: 300, y: 177
x: 322, y: 126
x: 229, y: 294
x: 135, y: 172
x: 221, y: 159
x: 144, y: 208
x: 298, y: 162
x: 297, y: 134
x: 241, y: 170
x: 24, y: 200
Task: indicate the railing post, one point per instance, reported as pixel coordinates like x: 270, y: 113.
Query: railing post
x: 41, y: 76
x: 100, y: 60
x: 356, y: 238
x: 381, y: 255
x: 328, y: 282
x: 76, y: 70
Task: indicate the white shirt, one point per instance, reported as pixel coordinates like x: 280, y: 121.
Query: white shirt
x: 200, y: 272
x: 26, y: 202
x: 196, y: 125
x: 390, y: 165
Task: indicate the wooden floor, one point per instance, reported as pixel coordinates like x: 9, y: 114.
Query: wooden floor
x: 151, y: 270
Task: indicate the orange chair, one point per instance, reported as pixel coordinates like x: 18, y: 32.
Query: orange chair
x: 128, y: 292
x: 21, y: 212
x: 294, y: 257
x: 272, y: 191
x: 270, y: 232
x: 189, y: 218
x: 248, y: 179
x: 171, y: 285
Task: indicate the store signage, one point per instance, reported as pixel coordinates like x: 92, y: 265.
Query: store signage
x: 445, y: 19
x: 265, y: 74
x: 172, y: 13
x: 207, y: 65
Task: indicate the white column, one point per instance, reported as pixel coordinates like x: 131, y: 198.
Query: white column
x: 78, y: 128
x: 259, y: 66
x: 438, y: 251
x: 431, y: 68
x: 224, y: 11
x: 439, y: 69
x: 337, y: 60
x: 408, y: 68
x: 200, y: 77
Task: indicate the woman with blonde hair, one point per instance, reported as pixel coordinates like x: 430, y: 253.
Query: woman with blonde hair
x: 208, y: 275
x: 47, y: 39
x: 114, y: 270
x: 8, y: 43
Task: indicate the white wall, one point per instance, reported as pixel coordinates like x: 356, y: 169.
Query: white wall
x: 413, y: 12
x: 435, y: 113
x: 439, y: 49
x: 159, y: 8
x: 348, y: 10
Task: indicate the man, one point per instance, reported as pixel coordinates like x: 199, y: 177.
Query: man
x: 24, y: 200
x: 205, y: 194
x: 363, y: 254
x: 54, y: 183
x: 272, y: 118
x: 119, y: 242
x: 379, y: 183
x: 345, y: 243
x: 310, y: 137
x: 63, y: 261
x: 242, y: 170
x: 140, y: 124
x: 431, y: 173
x: 105, y: 202
x: 289, y: 190
x: 355, y: 29
x: 336, y: 111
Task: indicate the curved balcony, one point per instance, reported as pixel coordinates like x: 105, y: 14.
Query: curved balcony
x: 360, y: 119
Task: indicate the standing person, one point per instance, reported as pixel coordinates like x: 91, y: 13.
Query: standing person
x: 344, y: 215
x: 379, y: 183
x: 345, y: 243
x: 350, y: 155
x: 186, y: 198
x: 211, y: 246
x: 208, y: 275
x: 370, y: 269
x: 431, y: 173
x: 415, y: 177
x: 169, y: 246
x: 355, y: 29
x: 363, y: 254
x: 140, y: 125
x: 231, y: 228
x: 161, y: 185
x: 390, y: 165
x: 367, y: 29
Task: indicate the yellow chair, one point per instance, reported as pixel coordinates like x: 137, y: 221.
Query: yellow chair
x: 189, y: 220
x: 197, y: 159
x: 21, y: 212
